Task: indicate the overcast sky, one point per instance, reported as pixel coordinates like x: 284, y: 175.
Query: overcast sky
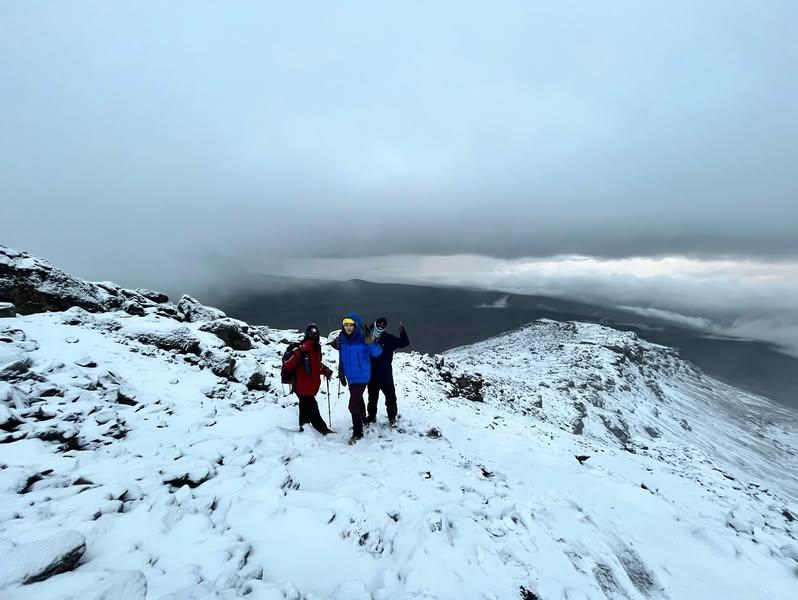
x: 160, y: 143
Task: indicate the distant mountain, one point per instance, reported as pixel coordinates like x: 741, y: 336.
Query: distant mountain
x: 440, y: 318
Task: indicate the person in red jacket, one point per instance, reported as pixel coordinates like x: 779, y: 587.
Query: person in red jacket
x: 306, y: 362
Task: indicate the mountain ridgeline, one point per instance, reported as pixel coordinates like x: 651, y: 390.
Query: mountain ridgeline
x: 441, y: 318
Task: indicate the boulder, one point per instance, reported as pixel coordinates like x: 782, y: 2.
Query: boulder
x: 192, y: 311
x: 157, y: 297
x: 232, y: 332
x: 36, y: 561
x: 179, y: 338
x: 220, y: 364
x: 7, y: 310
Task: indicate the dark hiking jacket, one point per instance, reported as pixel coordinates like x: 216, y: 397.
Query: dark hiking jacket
x: 381, y: 366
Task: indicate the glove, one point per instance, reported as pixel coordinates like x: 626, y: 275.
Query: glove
x: 342, y: 378
x: 306, y: 346
x: 327, y: 373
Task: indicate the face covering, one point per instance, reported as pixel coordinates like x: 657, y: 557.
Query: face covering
x: 378, y: 331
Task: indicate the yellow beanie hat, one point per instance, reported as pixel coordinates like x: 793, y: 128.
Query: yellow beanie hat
x: 347, y: 320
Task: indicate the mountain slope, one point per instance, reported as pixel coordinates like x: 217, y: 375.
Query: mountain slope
x: 146, y: 458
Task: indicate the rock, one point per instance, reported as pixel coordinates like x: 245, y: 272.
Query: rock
x: 652, y: 432
x: 157, y: 297
x: 582, y: 458
x: 71, y: 340
x: 192, y: 311
x: 180, y: 339
x: 232, y: 332
x: 257, y: 382
x: 187, y: 472
x: 617, y: 427
x: 36, y: 561
x: 86, y: 362
x: 249, y: 372
x: 464, y: 386
x: 33, y: 285
x: 220, y: 364
x: 133, y: 308
x: 7, y: 310
x: 739, y: 523
x: 8, y: 419
x: 89, y: 585
x: 14, y: 368
x: 105, y: 416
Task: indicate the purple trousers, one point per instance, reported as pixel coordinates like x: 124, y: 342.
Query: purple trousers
x: 357, y: 407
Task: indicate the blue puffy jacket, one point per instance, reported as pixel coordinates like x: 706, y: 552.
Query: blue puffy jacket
x: 354, y: 354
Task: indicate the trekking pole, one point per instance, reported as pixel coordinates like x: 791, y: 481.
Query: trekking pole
x: 329, y: 410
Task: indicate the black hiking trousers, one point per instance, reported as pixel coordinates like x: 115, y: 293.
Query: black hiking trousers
x: 389, y: 391
x: 309, y: 413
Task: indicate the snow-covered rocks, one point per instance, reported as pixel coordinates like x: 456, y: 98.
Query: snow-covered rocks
x: 172, y: 337
x: 34, y: 285
x: 192, y: 311
x: 232, y: 332
x: 186, y: 472
x: 39, y: 560
x: 7, y: 309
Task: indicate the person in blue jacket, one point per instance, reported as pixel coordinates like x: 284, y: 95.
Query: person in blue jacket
x: 354, y: 368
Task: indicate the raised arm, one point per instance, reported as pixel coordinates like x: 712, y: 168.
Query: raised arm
x: 404, y: 341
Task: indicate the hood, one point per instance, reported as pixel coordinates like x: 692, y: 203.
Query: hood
x: 357, y: 335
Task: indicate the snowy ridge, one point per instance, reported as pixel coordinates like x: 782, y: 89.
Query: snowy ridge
x: 145, y: 456
x: 610, y: 386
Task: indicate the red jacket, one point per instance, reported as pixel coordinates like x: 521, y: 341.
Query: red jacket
x: 307, y: 384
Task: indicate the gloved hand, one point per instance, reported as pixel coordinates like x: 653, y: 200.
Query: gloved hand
x: 306, y: 346
x: 342, y: 378
x: 326, y: 372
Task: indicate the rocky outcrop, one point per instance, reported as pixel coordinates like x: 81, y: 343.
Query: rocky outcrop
x: 34, y: 285
x: 233, y: 333
x: 468, y: 386
x: 179, y: 338
x: 7, y: 310
x: 189, y: 309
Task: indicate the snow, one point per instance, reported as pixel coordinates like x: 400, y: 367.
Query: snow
x: 186, y: 484
x: 26, y: 562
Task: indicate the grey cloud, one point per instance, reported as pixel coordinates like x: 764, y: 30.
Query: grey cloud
x: 160, y: 144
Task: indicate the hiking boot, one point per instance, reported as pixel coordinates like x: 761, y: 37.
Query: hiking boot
x: 353, y: 440
x: 392, y: 421
x: 370, y: 419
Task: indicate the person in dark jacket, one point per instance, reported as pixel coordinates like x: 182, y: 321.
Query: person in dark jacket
x: 382, y: 369
x: 354, y: 368
x: 306, y: 362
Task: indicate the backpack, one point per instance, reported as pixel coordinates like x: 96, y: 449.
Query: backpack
x: 288, y: 376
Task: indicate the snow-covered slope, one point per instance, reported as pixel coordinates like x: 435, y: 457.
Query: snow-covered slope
x: 149, y: 455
